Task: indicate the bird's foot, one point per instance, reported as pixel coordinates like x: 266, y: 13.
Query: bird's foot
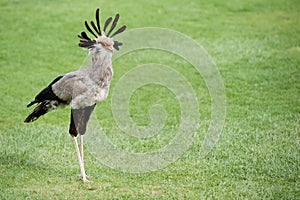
x: 85, y: 180
x: 79, y: 175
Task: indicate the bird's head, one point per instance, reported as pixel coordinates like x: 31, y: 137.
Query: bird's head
x: 102, y: 41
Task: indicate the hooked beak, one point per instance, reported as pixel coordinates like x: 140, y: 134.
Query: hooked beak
x: 109, y: 47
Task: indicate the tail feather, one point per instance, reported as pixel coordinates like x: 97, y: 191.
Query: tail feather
x: 31, y: 103
x: 41, y: 109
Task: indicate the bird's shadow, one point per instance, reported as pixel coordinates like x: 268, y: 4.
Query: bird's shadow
x: 18, y: 162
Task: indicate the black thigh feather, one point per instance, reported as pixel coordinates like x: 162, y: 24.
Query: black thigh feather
x: 79, y: 120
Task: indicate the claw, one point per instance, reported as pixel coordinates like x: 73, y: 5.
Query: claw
x: 85, y: 180
x: 81, y: 175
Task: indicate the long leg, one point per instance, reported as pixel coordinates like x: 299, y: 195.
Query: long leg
x: 81, y: 148
x: 81, y: 165
x: 81, y: 151
x: 79, y: 119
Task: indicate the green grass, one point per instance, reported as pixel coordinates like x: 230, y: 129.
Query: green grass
x: 256, y: 45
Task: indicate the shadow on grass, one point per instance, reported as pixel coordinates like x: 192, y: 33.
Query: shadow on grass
x: 21, y: 162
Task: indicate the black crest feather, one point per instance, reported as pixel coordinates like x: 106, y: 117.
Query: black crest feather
x: 95, y: 28
x: 113, y: 24
x: 120, y: 30
x: 98, y: 20
x: 107, y: 22
x: 87, y: 42
x: 89, y: 29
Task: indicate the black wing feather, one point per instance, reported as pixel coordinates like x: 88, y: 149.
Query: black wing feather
x: 46, y: 94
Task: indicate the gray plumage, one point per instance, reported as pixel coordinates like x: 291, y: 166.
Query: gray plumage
x: 84, y: 88
x: 87, y: 86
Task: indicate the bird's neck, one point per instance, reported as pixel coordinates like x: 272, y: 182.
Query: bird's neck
x: 101, y: 65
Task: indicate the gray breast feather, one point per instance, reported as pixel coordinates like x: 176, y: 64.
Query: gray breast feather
x: 81, y: 88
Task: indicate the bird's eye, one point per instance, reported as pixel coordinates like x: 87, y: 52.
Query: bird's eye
x: 105, y: 45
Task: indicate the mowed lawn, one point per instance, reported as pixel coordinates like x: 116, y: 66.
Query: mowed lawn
x: 254, y: 43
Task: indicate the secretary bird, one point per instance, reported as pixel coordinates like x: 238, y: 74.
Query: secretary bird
x: 84, y: 88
